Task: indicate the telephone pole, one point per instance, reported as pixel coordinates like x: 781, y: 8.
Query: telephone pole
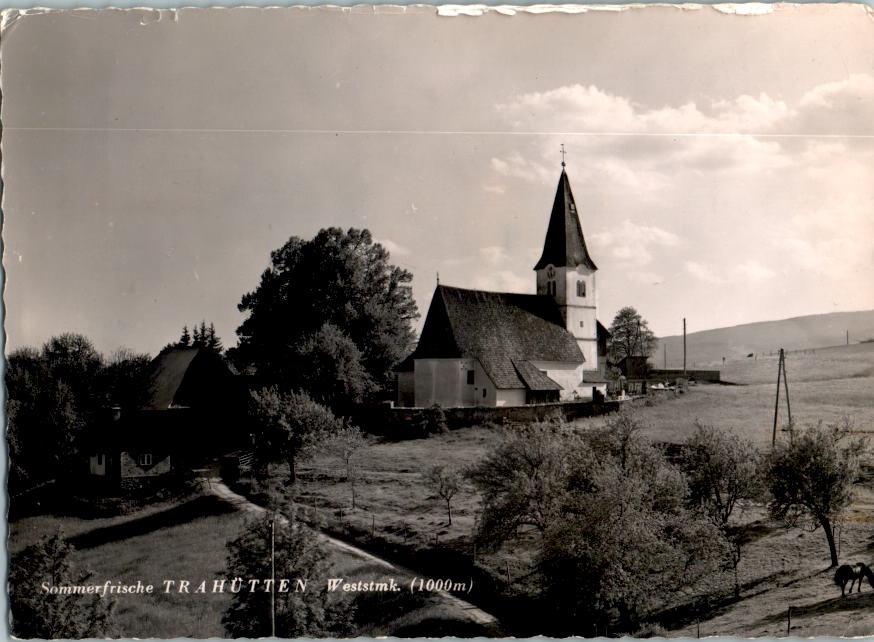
x: 781, y: 372
x: 684, y: 345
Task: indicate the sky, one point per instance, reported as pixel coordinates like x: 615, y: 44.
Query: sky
x: 722, y: 165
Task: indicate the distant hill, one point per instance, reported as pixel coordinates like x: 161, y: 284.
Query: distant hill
x: 707, y: 348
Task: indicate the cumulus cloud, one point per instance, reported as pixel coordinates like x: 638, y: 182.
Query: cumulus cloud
x: 395, y: 249
x: 504, y: 281
x: 590, y: 109
x: 703, y: 272
x: 632, y: 244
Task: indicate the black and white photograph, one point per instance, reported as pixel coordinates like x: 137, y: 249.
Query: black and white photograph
x: 439, y: 321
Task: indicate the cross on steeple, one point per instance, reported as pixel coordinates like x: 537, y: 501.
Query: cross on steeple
x: 563, y: 152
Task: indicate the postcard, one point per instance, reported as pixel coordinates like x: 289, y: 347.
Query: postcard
x: 439, y: 321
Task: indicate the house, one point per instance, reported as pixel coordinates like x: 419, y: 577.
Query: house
x: 481, y: 348
x: 195, y: 410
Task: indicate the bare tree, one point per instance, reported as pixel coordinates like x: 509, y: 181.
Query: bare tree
x: 345, y: 444
x: 445, y: 482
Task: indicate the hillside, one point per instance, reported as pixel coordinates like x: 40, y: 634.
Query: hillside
x: 708, y: 347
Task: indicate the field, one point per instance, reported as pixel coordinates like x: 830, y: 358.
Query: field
x: 782, y: 567
x: 187, y: 541
x: 398, y: 516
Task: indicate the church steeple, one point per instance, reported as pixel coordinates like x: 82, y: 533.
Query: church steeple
x: 564, y: 245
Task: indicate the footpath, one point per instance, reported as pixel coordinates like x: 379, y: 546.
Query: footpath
x: 216, y: 487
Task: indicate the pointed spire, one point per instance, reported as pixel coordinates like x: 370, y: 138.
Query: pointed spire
x: 564, y: 245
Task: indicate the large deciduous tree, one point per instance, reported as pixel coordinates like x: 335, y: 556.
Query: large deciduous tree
x: 630, y: 336
x: 341, y: 278
x: 812, y: 476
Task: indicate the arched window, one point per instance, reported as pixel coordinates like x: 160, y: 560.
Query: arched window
x: 581, y: 288
x: 550, y: 288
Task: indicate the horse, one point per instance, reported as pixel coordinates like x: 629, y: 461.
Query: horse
x: 866, y: 572
x: 847, y: 573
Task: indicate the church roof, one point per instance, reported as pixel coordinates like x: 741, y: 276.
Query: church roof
x: 564, y: 245
x: 503, y: 331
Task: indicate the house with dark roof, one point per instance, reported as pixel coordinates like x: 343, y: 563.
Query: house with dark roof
x: 481, y: 348
x: 195, y: 409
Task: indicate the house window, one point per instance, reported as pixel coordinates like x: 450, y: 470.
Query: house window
x: 484, y: 393
x: 146, y: 459
x: 581, y: 288
x: 470, y: 377
x: 581, y: 324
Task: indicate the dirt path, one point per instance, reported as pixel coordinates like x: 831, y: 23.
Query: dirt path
x: 473, y: 613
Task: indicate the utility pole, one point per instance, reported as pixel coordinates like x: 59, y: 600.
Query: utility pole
x: 665, y: 346
x: 848, y: 337
x: 781, y: 372
x: 273, y: 577
x: 684, y: 345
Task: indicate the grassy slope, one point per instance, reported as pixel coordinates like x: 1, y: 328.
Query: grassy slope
x: 825, y: 385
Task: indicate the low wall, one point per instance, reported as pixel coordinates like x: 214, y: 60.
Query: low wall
x: 699, y: 375
x: 403, y: 422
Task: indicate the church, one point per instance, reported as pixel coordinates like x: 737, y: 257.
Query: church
x: 480, y: 348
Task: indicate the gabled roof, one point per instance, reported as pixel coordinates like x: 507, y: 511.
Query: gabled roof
x: 500, y: 330
x: 564, y: 245
x: 180, y: 376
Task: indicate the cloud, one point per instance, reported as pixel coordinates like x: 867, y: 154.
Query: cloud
x: 504, y: 281
x: 494, y: 254
x: 395, y: 249
x: 495, y: 189
x: 752, y: 270
x: 516, y: 166
x: 590, y: 109
x: 631, y: 243
x: 703, y: 272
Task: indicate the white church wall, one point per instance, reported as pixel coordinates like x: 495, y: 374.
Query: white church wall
x: 444, y: 382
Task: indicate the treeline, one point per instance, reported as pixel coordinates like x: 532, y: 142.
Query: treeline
x: 56, y: 395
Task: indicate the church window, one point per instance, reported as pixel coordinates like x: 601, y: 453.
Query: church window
x: 582, y: 324
x: 484, y: 393
x: 550, y: 288
x: 100, y: 459
x: 581, y: 288
x: 470, y: 377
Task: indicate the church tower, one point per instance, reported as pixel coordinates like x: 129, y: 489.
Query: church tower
x: 566, y: 272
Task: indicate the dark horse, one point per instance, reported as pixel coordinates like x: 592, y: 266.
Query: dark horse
x: 847, y: 573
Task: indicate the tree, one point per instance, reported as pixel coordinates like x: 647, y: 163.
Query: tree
x: 345, y: 444
x: 524, y: 479
x: 185, y: 337
x: 296, y: 554
x: 445, y: 483
x: 630, y: 336
x: 125, y: 378
x: 339, y: 277
x: 329, y: 365
x: 614, y: 538
x: 722, y: 470
x: 288, y: 426
x: 37, y: 614
x: 812, y: 476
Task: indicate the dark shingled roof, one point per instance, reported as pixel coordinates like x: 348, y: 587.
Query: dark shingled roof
x: 168, y: 371
x: 503, y: 331
x: 564, y: 245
